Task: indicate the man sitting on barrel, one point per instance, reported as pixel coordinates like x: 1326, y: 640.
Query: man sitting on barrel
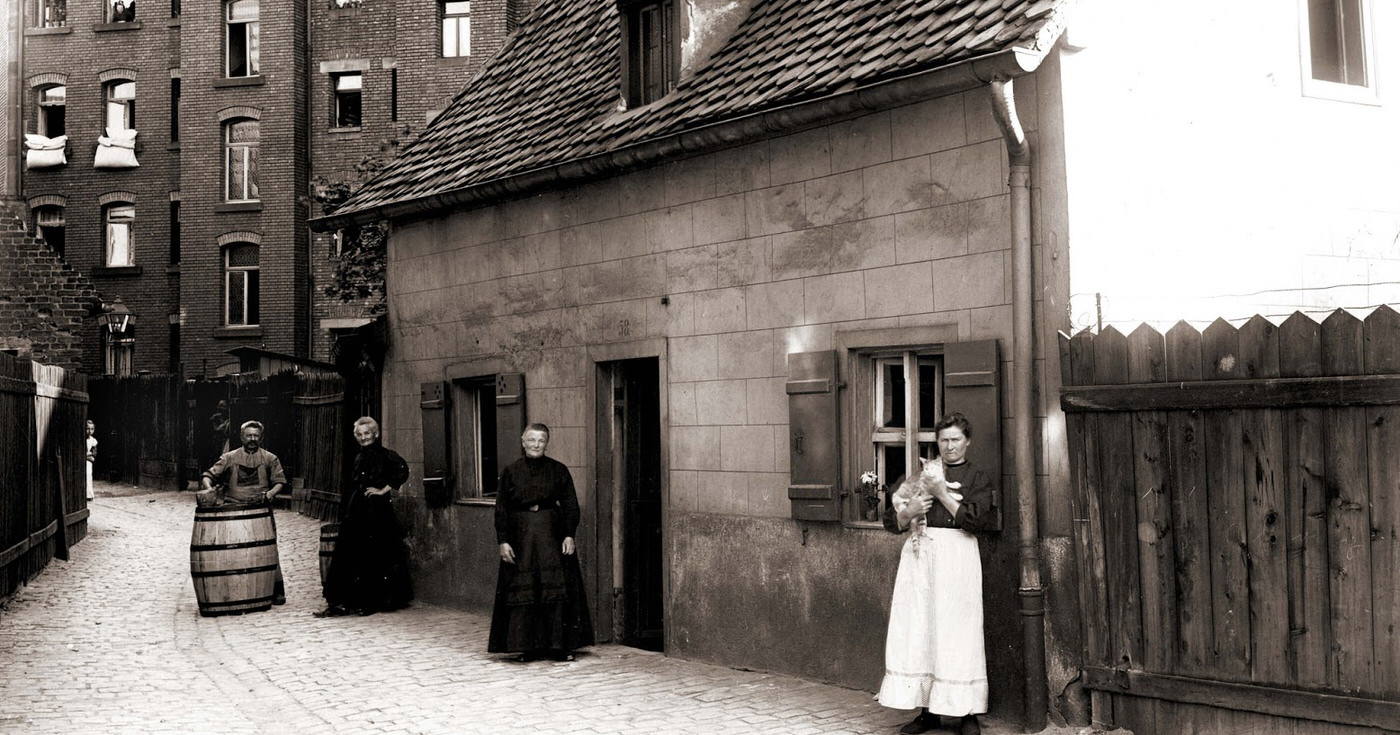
x: 250, y: 475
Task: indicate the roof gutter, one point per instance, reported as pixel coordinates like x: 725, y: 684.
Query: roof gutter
x: 959, y: 77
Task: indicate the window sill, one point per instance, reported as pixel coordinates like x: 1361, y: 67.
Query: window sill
x: 173, y: 22
x: 117, y: 270
x: 51, y: 31
x: 253, y: 81
x: 349, y: 11
x: 487, y: 502
x: 174, y: 147
x: 130, y: 25
x: 349, y: 130
x: 454, y: 60
x: 237, y: 332
x: 238, y: 207
x: 173, y: 269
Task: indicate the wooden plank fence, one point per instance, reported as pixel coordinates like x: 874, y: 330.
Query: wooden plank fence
x: 156, y: 430
x: 1237, y: 522
x: 43, y: 499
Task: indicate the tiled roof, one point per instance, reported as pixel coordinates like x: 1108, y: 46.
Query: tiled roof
x: 551, y: 96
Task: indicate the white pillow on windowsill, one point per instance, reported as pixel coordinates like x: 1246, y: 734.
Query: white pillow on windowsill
x: 45, y: 152
x: 116, y: 149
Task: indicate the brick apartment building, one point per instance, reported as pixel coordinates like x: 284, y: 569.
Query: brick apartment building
x: 197, y: 222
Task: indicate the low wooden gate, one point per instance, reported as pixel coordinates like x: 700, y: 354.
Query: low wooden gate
x: 1237, y: 518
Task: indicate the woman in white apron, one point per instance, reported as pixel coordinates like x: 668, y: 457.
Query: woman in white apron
x: 935, y: 655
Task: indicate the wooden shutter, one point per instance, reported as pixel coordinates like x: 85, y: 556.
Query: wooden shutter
x: 437, y: 465
x: 971, y: 386
x: 814, y: 436
x: 510, y: 419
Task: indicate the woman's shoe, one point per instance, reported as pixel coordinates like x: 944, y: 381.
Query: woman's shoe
x: 969, y: 726
x: 923, y: 723
x: 331, y: 611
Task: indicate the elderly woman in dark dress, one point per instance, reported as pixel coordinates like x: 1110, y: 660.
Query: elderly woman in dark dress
x: 540, y: 608
x: 369, y: 567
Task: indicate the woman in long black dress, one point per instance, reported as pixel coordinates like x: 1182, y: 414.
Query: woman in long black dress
x: 369, y: 567
x: 540, y: 608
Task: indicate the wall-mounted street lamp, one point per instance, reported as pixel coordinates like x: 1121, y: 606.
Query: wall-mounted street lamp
x: 116, y: 317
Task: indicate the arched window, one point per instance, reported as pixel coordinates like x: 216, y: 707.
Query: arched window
x: 121, y: 104
x: 51, y: 226
x: 241, y: 285
x: 241, y: 138
x: 52, y: 119
x: 120, y: 221
x: 242, y: 19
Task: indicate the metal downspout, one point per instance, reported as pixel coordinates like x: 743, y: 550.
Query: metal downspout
x: 1031, y: 593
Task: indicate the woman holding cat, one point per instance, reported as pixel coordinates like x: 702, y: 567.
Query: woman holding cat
x: 935, y: 657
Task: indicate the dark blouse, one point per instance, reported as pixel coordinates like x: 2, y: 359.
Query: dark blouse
x: 540, y: 482
x: 977, y: 512
x: 375, y: 466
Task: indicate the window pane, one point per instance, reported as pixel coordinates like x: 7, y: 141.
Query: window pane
x: 53, y: 95
x: 891, y: 393
x: 1337, y: 38
x: 118, y: 243
x: 348, y: 82
x: 449, y: 38
x: 892, y: 462
x: 254, y: 280
x: 458, y: 7
x: 252, y: 171
x: 237, y: 51
x: 243, y: 256
x: 244, y: 131
x: 236, y: 183
x: 124, y: 91
x: 928, y: 393
x: 236, y: 295
x: 242, y: 10
x: 486, y: 438
x: 253, y: 48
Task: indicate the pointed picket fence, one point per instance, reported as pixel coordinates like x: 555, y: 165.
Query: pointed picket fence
x: 1237, y: 518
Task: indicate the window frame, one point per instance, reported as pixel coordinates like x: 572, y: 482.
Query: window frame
x: 1365, y: 93
x: 43, y: 110
x: 251, y: 287
x: 634, y: 58
x: 459, y: 21
x: 56, y: 19
x: 112, y: 104
x: 248, y: 39
x: 57, y: 224
x: 872, y: 436
x: 118, y: 352
x: 250, y: 161
x: 474, y: 427
x: 112, y: 223
x: 175, y: 109
x: 341, y: 98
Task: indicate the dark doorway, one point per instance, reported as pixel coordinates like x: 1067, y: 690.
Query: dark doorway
x: 630, y: 425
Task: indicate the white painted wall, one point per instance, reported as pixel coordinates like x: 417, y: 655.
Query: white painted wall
x: 1204, y: 183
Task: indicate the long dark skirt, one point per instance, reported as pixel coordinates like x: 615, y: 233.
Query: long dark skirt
x: 540, y: 602
x: 369, y: 567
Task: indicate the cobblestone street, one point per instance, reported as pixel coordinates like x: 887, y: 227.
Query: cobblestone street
x: 112, y: 642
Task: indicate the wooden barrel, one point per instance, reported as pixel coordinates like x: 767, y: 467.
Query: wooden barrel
x: 233, y: 559
x: 329, y: 533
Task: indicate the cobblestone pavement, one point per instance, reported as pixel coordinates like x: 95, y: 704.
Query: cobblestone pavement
x: 111, y: 642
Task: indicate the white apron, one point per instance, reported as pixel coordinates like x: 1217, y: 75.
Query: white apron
x: 935, y: 656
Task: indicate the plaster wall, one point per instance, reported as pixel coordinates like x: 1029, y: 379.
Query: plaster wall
x: 732, y: 260
x: 1206, y: 181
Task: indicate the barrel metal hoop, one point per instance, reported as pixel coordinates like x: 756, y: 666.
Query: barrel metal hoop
x: 239, y: 545
x: 231, y: 572
x: 231, y: 517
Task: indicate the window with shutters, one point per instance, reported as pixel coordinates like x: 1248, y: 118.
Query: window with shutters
x: 474, y: 422
x: 471, y: 430
x: 894, y: 395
